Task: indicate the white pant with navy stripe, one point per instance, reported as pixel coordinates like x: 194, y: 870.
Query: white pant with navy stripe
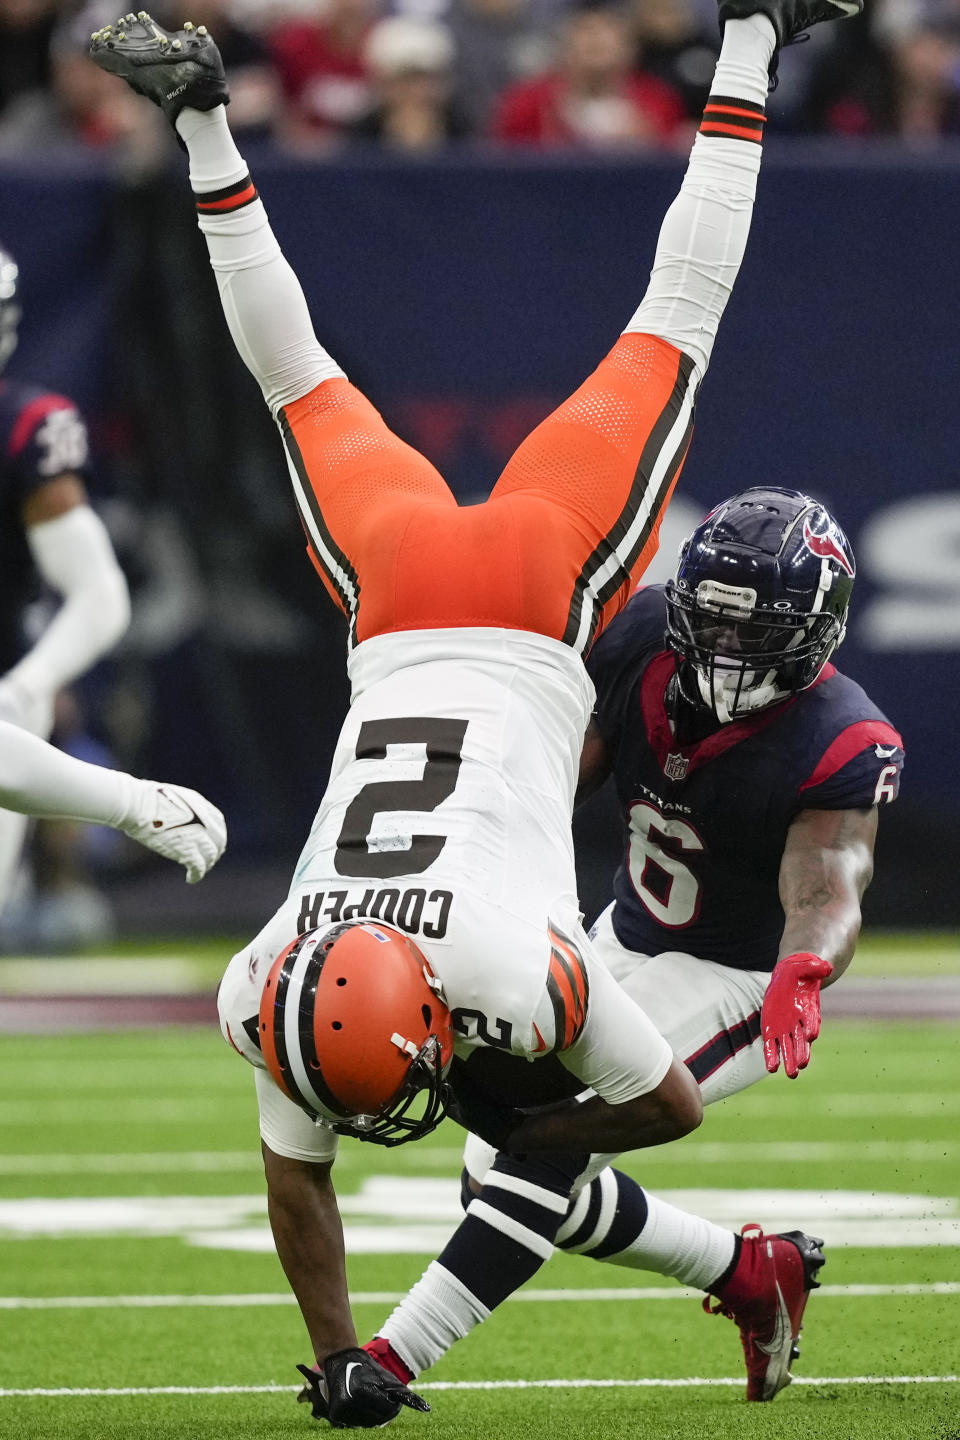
x: 709, y: 1015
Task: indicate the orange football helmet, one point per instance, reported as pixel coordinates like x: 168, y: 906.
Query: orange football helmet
x: 354, y: 1030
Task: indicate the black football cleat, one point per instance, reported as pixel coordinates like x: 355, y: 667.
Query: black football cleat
x: 175, y: 71
x: 789, y: 18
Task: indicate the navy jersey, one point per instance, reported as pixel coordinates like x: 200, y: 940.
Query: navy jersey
x: 41, y: 436
x: 706, y: 823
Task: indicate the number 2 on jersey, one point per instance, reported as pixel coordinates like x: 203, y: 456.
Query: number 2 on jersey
x: 668, y: 888
x: 443, y: 741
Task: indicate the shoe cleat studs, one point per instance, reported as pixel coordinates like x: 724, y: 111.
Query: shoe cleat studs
x: 121, y: 35
x: 202, y: 30
x: 188, y: 26
x: 175, y: 45
x: 131, y: 18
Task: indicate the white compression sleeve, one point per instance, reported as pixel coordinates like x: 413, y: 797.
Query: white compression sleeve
x: 262, y: 299
x: 37, y: 779
x: 704, y: 233
x: 74, y: 557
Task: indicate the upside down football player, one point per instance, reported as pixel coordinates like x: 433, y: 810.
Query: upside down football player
x: 749, y: 774
x: 434, y: 908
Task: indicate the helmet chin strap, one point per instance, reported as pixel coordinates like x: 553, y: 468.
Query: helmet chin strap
x: 719, y: 691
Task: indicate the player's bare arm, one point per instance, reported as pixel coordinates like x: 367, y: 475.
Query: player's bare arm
x: 347, y: 1386
x: 670, y: 1111
x: 827, y: 865
x: 305, y: 1221
x: 53, y: 499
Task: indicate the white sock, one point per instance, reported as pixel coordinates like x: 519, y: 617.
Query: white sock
x: 704, y: 233
x: 437, y: 1311
x: 673, y: 1242
x: 262, y: 300
x: 215, y: 161
x: 744, y: 64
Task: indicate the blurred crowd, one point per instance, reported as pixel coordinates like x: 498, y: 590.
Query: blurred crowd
x: 317, y: 76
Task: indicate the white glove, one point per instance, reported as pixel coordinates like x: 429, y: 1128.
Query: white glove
x: 25, y: 708
x: 178, y: 824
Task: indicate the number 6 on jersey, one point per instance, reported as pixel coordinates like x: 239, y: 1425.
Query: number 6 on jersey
x: 673, y: 896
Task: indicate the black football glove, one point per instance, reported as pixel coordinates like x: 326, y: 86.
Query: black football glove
x: 353, y: 1392
x: 473, y: 1108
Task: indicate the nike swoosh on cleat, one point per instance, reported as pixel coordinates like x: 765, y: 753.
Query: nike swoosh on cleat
x: 781, y: 1331
x: 353, y: 1365
x: 883, y: 753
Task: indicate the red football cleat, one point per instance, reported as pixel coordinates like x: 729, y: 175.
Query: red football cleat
x: 766, y: 1295
x: 385, y: 1355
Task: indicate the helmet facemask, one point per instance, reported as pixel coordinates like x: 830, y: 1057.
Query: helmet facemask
x: 737, y: 657
x: 417, y: 1108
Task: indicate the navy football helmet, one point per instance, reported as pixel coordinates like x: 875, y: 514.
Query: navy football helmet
x: 759, y: 601
x: 9, y: 309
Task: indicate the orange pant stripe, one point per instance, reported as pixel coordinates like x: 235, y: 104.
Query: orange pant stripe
x: 568, y: 988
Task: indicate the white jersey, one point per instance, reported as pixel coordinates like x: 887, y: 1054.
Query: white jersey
x: 456, y: 770
x: 447, y: 817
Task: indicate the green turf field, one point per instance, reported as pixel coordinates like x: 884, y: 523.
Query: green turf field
x: 134, y: 1257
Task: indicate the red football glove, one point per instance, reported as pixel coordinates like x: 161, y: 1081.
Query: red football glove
x: 790, y: 1018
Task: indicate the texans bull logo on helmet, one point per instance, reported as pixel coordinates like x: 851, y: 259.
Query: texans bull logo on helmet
x: 825, y: 544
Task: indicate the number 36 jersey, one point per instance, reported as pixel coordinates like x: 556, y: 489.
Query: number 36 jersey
x: 41, y: 437
x: 447, y: 816
x: 706, y: 824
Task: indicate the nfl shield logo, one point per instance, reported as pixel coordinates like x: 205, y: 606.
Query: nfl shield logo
x: 675, y: 766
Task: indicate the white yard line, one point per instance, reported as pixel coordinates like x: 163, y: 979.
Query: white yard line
x: 686, y: 1382
x: 906, y: 1104
x: 747, y: 1153
x: 163, y: 1162
x: 159, y: 1162
x: 256, y: 1300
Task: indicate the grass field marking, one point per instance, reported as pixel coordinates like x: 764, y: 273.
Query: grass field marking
x: 643, y: 1383
x: 159, y: 1162
x: 416, y: 1214
x: 254, y: 1300
x: 162, y: 1162
x: 755, y: 1152
x: 902, y: 1104
x: 66, y: 1110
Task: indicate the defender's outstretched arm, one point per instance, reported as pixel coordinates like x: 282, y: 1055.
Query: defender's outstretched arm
x: 37, y: 779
